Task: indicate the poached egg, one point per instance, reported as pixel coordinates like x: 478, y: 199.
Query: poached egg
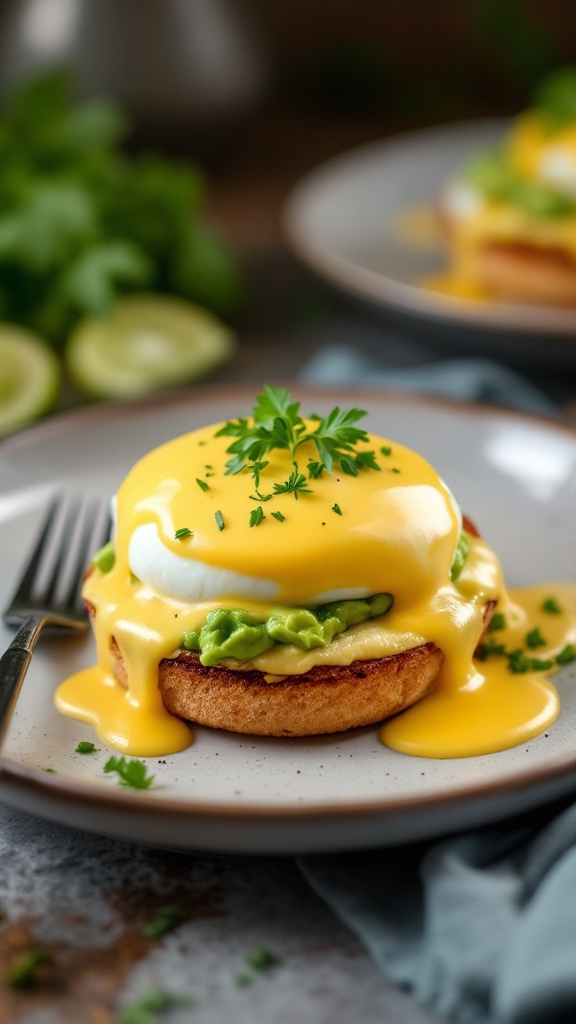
x: 187, y: 541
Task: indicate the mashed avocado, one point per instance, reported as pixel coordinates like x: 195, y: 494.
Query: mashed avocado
x: 242, y: 635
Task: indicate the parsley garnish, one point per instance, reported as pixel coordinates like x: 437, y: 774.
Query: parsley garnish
x: 295, y: 484
x: 182, y: 533
x: 260, y: 958
x: 386, y: 449
x: 256, y: 516
x: 22, y: 971
x: 535, y: 639
x: 278, y: 516
x: 85, y: 747
x: 145, y: 1009
x: 550, y: 605
x: 498, y: 621
x: 492, y: 647
x: 219, y: 519
x: 567, y: 655
x: 132, y: 774
x: 276, y: 423
x: 165, y: 920
x: 336, y: 508
x: 315, y: 469
x: 202, y: 484
x: 518, y: 661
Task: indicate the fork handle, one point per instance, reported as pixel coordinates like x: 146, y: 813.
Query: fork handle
x: 14, y: 665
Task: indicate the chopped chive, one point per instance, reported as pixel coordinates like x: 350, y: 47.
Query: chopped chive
x: 51, y: 771
x: 202, y: 484
x: 85, y: 747
x: 535, y: 639
x: 278, y: 516
x: 550, y: 605
x: 219, y: 519
x: 182, y: 532
x: 395, y: 469
x: 336, y: 508
x: 256, y: 516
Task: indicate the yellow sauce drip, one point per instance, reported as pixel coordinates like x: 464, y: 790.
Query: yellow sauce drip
x: 397, y: 532
x: 456, y: 287
x: 493, y: 708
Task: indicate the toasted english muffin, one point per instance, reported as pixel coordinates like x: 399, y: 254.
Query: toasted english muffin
x: 326, y: 699
x: 528, y: 273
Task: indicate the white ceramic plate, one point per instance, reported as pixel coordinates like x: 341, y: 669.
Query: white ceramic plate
x: 342, y: 220
x: 515, y: 475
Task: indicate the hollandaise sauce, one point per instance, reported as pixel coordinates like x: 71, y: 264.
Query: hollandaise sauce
x: 192, y: 537
x: 505, y: 698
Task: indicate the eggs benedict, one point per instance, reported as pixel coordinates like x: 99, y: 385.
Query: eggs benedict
x: 288, y: 576
x: 509, y: 217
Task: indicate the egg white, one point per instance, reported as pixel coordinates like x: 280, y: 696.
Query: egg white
x: 461, y: 200
x: 191, y: 582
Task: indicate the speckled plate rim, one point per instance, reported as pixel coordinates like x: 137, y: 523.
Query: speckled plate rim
x: 384, y: 290
x: 36, y: 783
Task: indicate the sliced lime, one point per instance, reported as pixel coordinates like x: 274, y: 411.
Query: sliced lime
x: 146, y: 343
x: 29, y: 377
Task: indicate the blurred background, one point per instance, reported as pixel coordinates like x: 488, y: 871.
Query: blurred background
x: 235, y: 100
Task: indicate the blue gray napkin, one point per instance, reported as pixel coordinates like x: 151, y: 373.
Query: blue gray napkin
x: 480, y: 927
x: 479, y: 380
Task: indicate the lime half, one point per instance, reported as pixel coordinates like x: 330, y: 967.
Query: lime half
x: 146, y: 343
x: 29, y: 377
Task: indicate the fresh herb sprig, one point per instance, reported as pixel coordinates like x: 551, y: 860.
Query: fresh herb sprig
x: 277, y: 424
x: 82, y: 222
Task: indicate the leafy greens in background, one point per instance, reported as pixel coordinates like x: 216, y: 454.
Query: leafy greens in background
x: 82, y: 223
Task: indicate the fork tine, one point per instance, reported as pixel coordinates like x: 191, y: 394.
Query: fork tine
x: 27, y: 580
x: 87, y: 541
x: 71, y: 517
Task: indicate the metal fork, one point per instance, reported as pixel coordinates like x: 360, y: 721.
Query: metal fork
x: 48, y: 594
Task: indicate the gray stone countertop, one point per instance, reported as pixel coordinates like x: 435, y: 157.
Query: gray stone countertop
x: 86, y: 901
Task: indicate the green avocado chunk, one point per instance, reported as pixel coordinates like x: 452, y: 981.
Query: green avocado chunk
x: 104, y: 558
x: 491, y: 175
x: 242, y: 635
x: 460, y: 556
